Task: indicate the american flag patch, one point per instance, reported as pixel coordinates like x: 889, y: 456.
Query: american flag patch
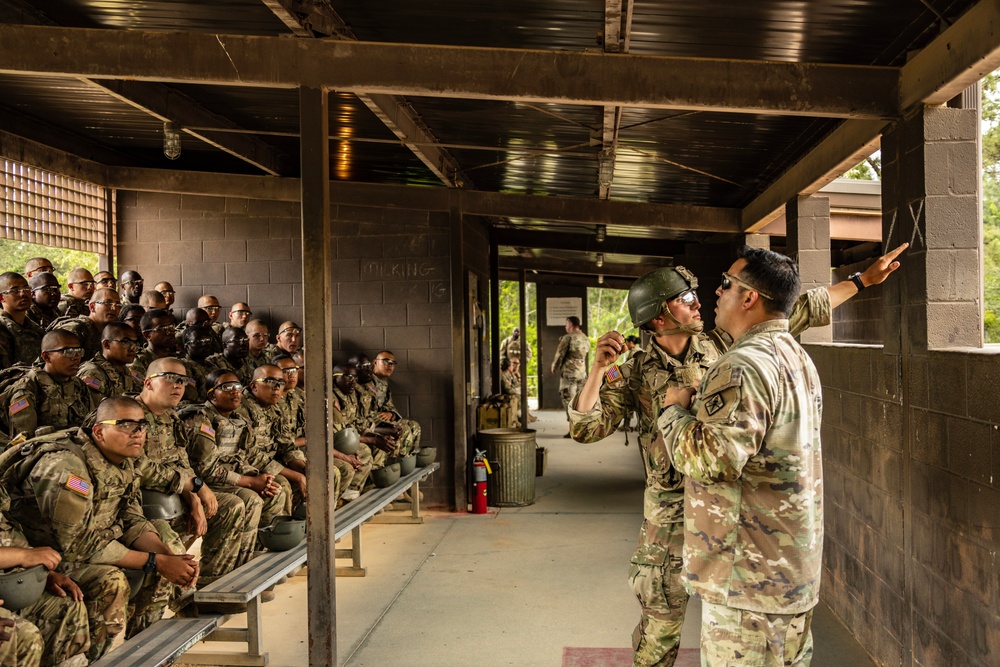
x: 74, y: 483
x: 93, y: 383
x: 17, y: 407
x: 191, y: 382
x: 613, y: 374
x: 137, y: 376
x: 207, y: 430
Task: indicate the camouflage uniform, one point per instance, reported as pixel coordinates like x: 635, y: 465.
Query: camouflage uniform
x: 272, y: 447
x: 142, y: 361
x: 753, y: 512
x: 292, y: 408
x: 84, y: 329
x: 19, y: 343
x: 38, y: 399
x: 91, y: 524
x: 70, y: 306
x: 252, y: 363
x: 165, y: 467
x: 655, y: 573
x: 243, y: 371
x: 571, y: 362
x: 344, y: 414
x: 42, y: 315
x: 196, y: 390
x: 105, y: 379
x: 217, y: 448
x: 511, y: 349
x: 510, y: 385
x: 54, y: 628
x: 376, y: 397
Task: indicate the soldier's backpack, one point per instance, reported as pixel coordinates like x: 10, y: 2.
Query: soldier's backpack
x: 18, y: 460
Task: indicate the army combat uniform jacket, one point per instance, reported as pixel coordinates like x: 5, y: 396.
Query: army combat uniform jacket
x: 645, y: 377
x: 219, y: 452
x: 273, y: 447
x: 105, y: 379
x: 42, y: 315
x: 571, y: 359
x: 84, y: 329
x: 19, y: 343
x: 750, y: 450
x: 38, y: 399
x: 70, y: 306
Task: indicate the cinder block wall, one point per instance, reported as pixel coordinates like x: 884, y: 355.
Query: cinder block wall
x: 391, y: 271
x: 860, y: 319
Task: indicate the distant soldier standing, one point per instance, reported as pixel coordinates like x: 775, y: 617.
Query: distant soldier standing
x: 571, y: 362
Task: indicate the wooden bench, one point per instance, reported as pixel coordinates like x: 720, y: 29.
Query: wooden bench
x: 161, y: 643
x: 247, y: 582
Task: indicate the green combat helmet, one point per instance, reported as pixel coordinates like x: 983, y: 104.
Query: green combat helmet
x: 20, y: 588
x: 158, y: 505
x: 649, y: 295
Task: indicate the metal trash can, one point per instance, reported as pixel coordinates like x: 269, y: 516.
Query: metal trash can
x: 511, y: 453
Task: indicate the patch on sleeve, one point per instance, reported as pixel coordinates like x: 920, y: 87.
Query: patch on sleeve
x: 18, y: 406
x: 724, y: 379
x: 207, y: 430
x: 79, y: 485
x: 93, y: 383
x: 137, y: 376
x: 191, y: 382
x: 613, y: 374
x: 336, y: 403
x: 714, y: 403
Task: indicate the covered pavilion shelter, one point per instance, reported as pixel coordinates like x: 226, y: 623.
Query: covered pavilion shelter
x: 373, y: 170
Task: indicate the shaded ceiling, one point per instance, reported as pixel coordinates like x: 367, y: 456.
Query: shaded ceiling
x: 735, y: 155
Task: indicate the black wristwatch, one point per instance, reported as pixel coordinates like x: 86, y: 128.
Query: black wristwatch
x: 196, y: 484
x: 150, y: 566
x: 856, y: 279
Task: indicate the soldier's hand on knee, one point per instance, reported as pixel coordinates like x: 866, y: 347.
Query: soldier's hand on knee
x: 208, y: 501
x: 6, y: 628
x: 62, y: 586
x: 197, y: 522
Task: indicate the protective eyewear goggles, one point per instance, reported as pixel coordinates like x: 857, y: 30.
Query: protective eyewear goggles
x: 172, y: 378
x: 130, y: 426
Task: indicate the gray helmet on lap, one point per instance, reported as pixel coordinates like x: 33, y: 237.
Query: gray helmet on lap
x: 20, y: 588
x: 157, y: 505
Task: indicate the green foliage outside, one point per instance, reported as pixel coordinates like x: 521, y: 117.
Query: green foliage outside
x: 13, y: 255
x: 607, y: 311
x: 991, y: 207
x: 510, y: 317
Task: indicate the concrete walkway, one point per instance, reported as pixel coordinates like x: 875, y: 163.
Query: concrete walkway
x: 541, y: 585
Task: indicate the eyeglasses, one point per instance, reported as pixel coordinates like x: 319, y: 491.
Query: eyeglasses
x: 291, y: 370
x: 211, y: 309
x: 85, y: 283
x: 168, y: 330
x: 259, y: 336
x: 172, y: 378
x: 108, y: 282
x: 291, y: 331
x: 130, y: 426
x: 728, y: 280
x: 51, y: 289
x: 388, y: 362
x: 114, y: 305
x: 365, y: 365
x: 350, y: 377
x: 19, y: 291
x: 68, y: 352
x: 227, y: 387
x: 44, y: 269
x: 134, y: 282
x: 167, y: 292
x: 687, y: 298
x: 127, y: 342
x: 273, y: 383
x: 248, y: 313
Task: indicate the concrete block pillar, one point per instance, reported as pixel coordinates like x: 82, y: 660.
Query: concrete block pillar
x: 930, y: 198
x: 808, y: 243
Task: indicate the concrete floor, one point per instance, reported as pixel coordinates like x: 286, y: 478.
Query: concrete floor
x: 540, y: 585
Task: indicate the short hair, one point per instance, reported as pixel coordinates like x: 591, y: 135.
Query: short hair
x: 355, y: 359
x: 58, y: 337
x: 256, y: 323
x: 281, y: 356
x: 156, y: 364
x: 385, y: 352
x: 33, y: 263
x: 102, y: 293
x: 504, y: 364
x: 191, y: 315
x: 110, y: 406
x: 343, y: 368
x: 261, y: 371
x: 772, y: 274
x: 574, y: 320
x: 129, y: 275
x: 193, y: 330
x: 204, y: 299
x: 114, y: 330
x: 76, y: 274
x: 129, y: 310
x: 7, y: 278
x: 146, y: 323
x: 148, y: 297
x: 42, y: 279
x: 229, y: 333
x: 213, y: 376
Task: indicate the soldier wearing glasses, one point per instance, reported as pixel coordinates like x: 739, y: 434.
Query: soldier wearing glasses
x: 235, y: 349
x: 20, y: 338
x: 103, y: 309
x: 80, y: 286
x: 131, y: 285
x: 258, y: 334
x: 344, y: 414
x: 81, y: 498
x: 665, y: 304
x: 159, y: 334
x: 37, y: 265
x: 288, y: 341
x: 108, y: 373
x: 51, y: 396
x: 44, y: 298
x: 239, y: 315
x: 106, y: 279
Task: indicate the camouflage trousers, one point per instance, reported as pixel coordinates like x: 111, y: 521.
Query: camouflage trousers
x: 409, y: 439
x: 222, y: 544
x: 147, y: 606
x: 290, y: 492
x: 568, y: 389
x: 367, y: 463
x: 660, y: 590
x: 256, y: 510
x: 24, y: 648
x: 740, y: 638
x: 105, y: 594
x: 62, y: 623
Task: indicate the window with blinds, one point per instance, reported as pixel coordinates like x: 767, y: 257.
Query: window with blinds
x: 42, y: 207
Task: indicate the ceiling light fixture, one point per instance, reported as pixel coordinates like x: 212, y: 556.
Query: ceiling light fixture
x: 600, y: 279
x: 171, y: 141
x: 601, y: 233
x: 606, y: 167
x: 600, y: 259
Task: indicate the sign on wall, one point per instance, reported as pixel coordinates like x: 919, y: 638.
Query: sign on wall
x: 557, y: 309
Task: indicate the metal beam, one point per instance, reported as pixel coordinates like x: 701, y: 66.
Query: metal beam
x: 777, y: 88
x: 573, y: 268
x: 26, y: 151
x: 166, y: 104
x: 613, y: 245
x: 567, y: 279
x: 394, y: 112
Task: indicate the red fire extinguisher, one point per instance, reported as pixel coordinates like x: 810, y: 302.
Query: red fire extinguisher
x: 480, y: 467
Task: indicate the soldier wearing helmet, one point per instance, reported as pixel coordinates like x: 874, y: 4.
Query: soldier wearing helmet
x: 665, y: 303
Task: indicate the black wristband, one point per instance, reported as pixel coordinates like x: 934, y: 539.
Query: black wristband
x: 196, y: 484
x: 856, y: 279
x: 150, y: 566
